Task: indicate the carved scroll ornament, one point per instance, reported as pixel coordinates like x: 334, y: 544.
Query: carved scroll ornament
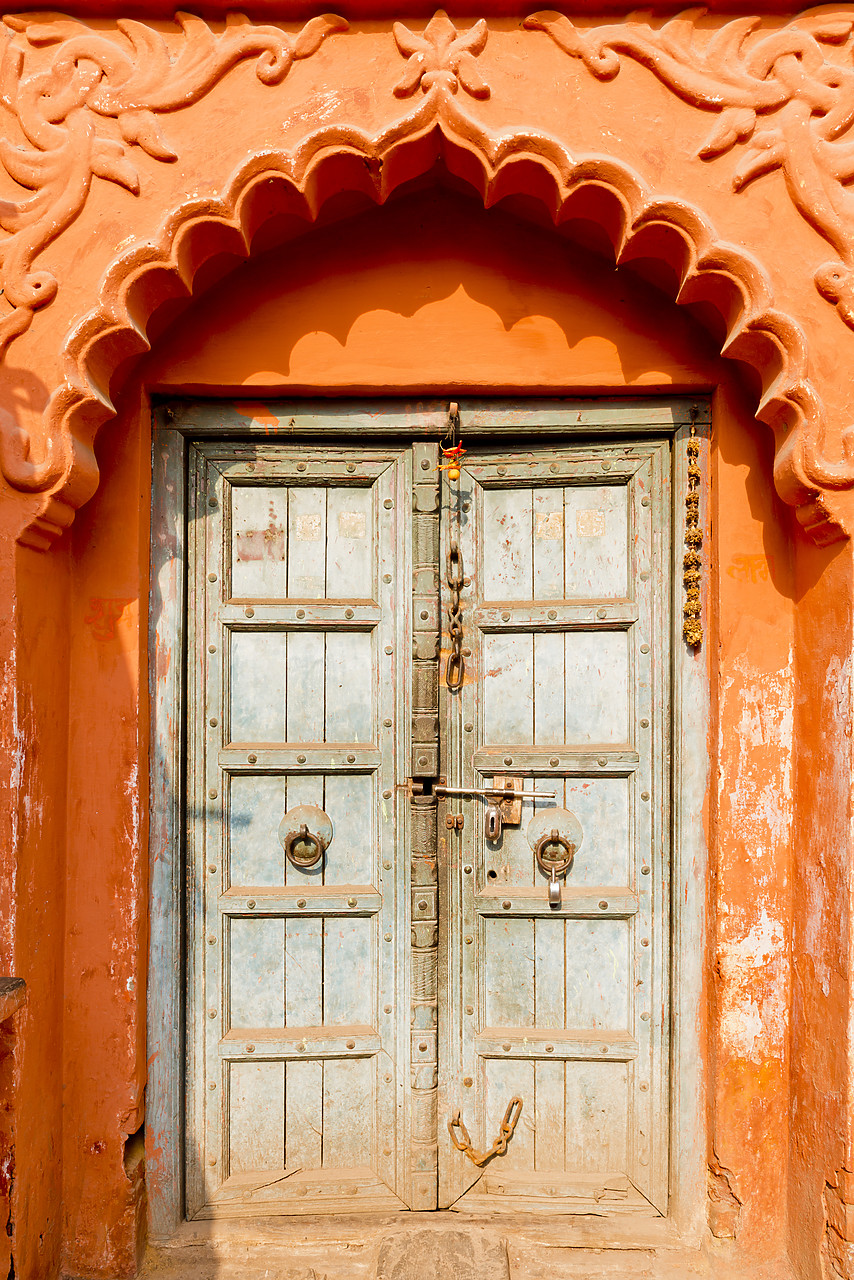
x: 132, y: 78
x: 775, y: 93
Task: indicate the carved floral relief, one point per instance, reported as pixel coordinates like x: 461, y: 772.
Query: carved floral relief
x: 441, y: 55
x: 775, y: 94
x: 132, y: 78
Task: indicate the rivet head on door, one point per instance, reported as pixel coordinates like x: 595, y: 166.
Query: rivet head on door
x: 388, y: 504
x: 468, y: 1082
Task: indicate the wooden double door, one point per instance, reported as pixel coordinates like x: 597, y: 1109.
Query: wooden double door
x: 364, y: 963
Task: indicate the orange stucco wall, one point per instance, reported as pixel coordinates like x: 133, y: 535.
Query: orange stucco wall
x: 434, y: 294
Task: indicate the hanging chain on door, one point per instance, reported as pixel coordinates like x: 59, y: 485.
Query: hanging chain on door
x: 499, y: 1146
x: 455, y: 668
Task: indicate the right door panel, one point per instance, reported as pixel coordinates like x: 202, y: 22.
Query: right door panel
x: 566, y: 612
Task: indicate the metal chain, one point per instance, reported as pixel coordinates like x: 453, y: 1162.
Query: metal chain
x: 499, y: 1146
x: 456, y: 667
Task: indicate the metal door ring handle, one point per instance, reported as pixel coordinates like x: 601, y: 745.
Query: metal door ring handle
x: 304, y: 837
x: 554, y: 867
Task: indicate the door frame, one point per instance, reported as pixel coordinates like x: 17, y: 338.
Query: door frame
x: 175, y: 423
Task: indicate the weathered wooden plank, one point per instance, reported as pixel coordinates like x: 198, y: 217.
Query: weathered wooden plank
x: 550, y: 1118
x: 597, y: 687
x: 306, y: 661
x: 508, y: 979
x: 548, y: 544
x: 259, y: 526
x: 597, y: 541
x: 596, y: 1116
x: 349, y: 1132
x: 549, y: 973
x: 351, y: 804
x: 256, y: 805
x: 303, y: 971
x: 348, y: 971
x: 602, y: 807
x: 257, y: 706
x: 304, y: 1114
x: 598, y: 974
x: 256, y: 972
x: 550, y: 1045
x: 307, y: 543
x: 256, y: 1116
x: 549, y: 690
x: 349, y: 687
x: 507, y: 570
x: 350, y: 552
x: 508, y: 688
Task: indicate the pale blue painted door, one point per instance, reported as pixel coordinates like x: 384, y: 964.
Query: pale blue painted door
x: 566, y: 613
x: 329, y: 1039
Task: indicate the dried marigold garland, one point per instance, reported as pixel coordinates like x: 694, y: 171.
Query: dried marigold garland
x: 692, y: 627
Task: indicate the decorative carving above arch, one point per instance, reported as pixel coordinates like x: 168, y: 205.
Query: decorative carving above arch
x: 439, y: 79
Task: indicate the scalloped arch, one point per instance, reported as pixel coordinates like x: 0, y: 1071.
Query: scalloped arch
x: 725, y: 285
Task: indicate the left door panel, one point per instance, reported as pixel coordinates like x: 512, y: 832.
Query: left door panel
x: 299, y: 634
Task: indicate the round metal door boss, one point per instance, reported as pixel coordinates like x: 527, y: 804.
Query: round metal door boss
x: 555, y: 836
x: 305, y: 833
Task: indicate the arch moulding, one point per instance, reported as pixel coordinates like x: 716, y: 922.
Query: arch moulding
x: 114, y: 128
